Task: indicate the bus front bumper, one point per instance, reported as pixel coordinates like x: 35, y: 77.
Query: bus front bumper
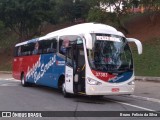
x: 110, y: 90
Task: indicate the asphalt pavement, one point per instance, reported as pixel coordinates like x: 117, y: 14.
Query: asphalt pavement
x: 14, y: 97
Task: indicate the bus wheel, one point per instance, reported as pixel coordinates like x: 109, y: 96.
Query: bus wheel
x: 23, y: 81
x: 65, y: 94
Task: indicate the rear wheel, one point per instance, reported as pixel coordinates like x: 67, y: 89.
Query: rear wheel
x: 23, y: 81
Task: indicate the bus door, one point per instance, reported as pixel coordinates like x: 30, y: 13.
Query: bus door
x: 75, y: 69
x: 79, y: 72
x: 69, y: 71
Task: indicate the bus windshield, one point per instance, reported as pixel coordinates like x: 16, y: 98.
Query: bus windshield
x: 110, y: 54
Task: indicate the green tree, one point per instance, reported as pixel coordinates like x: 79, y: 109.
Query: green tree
x: 151, y: 5
x: 25, y: 17
x: 120, y: 9
x: 69, y: 10
x: 97, y: 15
x: 80, y: 9
x: 64, y: 10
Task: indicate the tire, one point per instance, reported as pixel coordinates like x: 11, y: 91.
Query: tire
x: 23, y: 81
x: 65, y: 94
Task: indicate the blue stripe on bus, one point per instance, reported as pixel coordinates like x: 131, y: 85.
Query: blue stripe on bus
x: 122, y: 77
x: 48, y: 71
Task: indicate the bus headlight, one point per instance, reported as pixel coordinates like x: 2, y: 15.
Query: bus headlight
x: 131, y: 83
x: 93, y: 82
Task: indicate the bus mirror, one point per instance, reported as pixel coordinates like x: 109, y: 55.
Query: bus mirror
x: 137, y: 42
x: 79, y: 41
x: 88, y: 38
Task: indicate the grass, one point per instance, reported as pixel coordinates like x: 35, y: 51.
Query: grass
x: 148, y: 64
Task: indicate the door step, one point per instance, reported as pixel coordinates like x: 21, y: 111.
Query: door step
x: 82, y: 93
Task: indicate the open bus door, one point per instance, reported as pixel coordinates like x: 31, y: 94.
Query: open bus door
x: 74, y: 69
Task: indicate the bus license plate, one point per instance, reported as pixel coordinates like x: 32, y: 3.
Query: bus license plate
x: 115, y: 89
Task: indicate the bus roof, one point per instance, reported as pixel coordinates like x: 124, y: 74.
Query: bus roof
x: 83, y: 28
x: 79, y: 29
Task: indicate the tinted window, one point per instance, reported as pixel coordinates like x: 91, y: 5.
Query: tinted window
x: 16, y: 52
x: 25, y: 50
x: 40, y: 47
x: 48, y: 46
x: 65, y: 41
x: 62, y: 48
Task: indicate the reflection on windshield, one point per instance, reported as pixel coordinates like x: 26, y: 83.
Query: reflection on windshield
x: 111, y: 56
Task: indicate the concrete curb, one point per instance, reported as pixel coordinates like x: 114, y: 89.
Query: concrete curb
x: 140, y: 78
x: 6, y: 72
x: 148, y: 78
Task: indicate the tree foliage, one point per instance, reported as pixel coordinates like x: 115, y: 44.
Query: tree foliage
x: 27, y: 17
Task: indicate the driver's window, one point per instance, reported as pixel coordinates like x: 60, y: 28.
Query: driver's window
x: 70, y: 46
x: 62, y: 48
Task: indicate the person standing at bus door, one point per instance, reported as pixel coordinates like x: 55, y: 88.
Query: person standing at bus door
x: 35, y: 51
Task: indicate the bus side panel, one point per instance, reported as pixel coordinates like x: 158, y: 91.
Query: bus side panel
x: 16, y: 68
x: 51, y: 68
x: 44, y: 73
x: 46, y: 70
x: 59, y: 69
x: 22, y: 64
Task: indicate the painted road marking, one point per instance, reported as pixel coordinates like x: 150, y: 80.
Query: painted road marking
x: 145, y: 98
x: 9, y: 79
x: 9, y: 84
x: 135, y: 106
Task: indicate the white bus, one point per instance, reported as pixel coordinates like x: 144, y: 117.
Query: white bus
x: 90, y: 59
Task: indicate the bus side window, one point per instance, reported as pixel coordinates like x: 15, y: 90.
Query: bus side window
x: 24, y: 50
x: 54, y: 45
x: 63, y: 44
x: 30, y: 48
x: 62, y: 49
x: 18, y: 51
x: 48, y: 46
x: 36, y: 48
x: 15, y: 52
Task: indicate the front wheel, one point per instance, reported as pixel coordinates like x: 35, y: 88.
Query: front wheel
x: 65, y: 94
